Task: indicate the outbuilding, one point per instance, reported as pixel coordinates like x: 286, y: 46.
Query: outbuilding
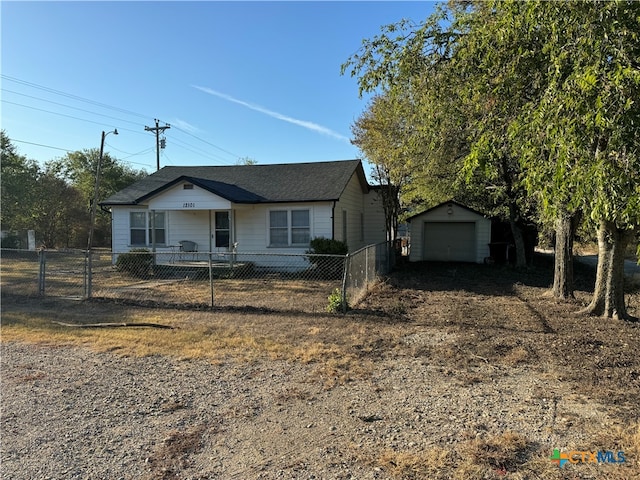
x: 450, y: 232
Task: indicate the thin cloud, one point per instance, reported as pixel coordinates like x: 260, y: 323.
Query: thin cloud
x: 182, y: 125
x: 301, y: 123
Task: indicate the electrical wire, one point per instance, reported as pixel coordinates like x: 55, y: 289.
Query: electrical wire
x: 68, y: 106
x: 192, y: 149
x: 15, y: 140
x: 72, y: 96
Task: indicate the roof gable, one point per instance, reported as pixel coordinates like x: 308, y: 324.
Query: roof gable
x: 443, y: 204
x: 296, y: 182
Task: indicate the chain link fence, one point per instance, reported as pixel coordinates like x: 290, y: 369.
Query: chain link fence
x: 264, y: 281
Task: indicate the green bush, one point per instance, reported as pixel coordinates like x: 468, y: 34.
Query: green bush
x: 327, y: 267
x: 137, y: 262
x: 327, y: 246
x: 335, y: 302
x: 12, y: 241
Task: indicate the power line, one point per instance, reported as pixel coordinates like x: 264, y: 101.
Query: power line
x: 99, y: 104
x: 67, y: 106
x: 208, y: 143
x: 41, y: 145
x: 72, y: 96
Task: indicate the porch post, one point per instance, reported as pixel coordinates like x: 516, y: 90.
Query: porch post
x: 153, y: 241
x: 210, y: 234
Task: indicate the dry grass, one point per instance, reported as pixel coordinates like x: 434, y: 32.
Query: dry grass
x: 434, y: 464
x: 323, y: 340
x: 468, y: 325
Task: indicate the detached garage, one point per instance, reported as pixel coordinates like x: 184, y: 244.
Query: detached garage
x: 450, y: 232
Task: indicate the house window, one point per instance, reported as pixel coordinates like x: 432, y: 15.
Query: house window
x: 157, y: 222
x: 300, y: 227
x: 289, y: 227
x: 222, y: 229
x: 141, y: 225
x: 137, y: 224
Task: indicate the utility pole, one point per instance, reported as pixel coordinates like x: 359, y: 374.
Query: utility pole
x: 158, y: 129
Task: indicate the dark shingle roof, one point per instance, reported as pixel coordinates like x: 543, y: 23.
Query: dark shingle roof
x: 294, y: 182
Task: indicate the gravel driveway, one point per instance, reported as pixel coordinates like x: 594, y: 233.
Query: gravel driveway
x: 68, y: 413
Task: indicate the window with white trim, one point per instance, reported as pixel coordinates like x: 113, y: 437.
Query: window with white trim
x: 289, y: 227
x: 140, y: 227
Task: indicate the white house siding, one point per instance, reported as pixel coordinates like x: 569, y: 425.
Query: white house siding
x: 352, y: 202
x: 252, y: 225
x: 120, y: 228
x: 192, y: 225
x: 177, y: 198
x: 458, y: 214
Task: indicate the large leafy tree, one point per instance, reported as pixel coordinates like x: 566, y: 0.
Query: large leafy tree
x: 548, y: 95
x: 18, y: 186
x: 79, y: 170
x: 458, y: 116
x: 598, y: 109
x: 55, y: 200
x: 58, y: 214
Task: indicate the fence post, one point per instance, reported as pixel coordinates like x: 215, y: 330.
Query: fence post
x: 345, y: 274
x: 211, y: 279
x: 89, y: 274
x: 42, y: 260
x: 366, y: 268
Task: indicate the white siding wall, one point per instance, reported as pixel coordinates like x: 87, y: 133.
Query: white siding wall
x: 177, y: 198
x: 252, y: 225
x: 459, y: 214
x: 120, y: 236
x: 190, y: 225
x: 351, y: 201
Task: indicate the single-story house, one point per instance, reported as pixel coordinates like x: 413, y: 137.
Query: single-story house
x: 248, y: 208
x: 450, y: 232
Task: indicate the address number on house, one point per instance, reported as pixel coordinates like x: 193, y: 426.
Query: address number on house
x: 189, y: 205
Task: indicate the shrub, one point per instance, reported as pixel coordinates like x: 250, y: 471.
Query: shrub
x: 137, y: 262
x: 12, y: 241
x: 327, y: 246
x: 336, y: 301
x: 327, y: 267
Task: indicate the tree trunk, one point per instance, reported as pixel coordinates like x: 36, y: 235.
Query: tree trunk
x: 518, y: 238
x: 565, y: 227
x: 608, y: 294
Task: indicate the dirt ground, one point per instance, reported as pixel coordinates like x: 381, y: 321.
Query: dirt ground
x: 443, y: 371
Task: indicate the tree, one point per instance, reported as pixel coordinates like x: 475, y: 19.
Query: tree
x: 380, y: 136
x: 588, y: 122
x: 464, y: 109
x: 547, y: 94
x: 78, y: 169
x: 18, y: 187
x: 58, y: 213
x: 246, y: 161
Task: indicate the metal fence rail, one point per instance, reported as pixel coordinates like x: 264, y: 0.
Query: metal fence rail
x: 280, y: 282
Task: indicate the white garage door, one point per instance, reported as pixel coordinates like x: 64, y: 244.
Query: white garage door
x: 450, y: 242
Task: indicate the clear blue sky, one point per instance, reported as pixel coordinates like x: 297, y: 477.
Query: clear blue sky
x: 233, y: 79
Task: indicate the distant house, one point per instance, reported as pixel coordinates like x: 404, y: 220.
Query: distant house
x: 254, y: 208
x: 450, y: 232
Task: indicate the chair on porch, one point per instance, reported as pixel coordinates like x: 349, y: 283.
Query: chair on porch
x: 187, y: 246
